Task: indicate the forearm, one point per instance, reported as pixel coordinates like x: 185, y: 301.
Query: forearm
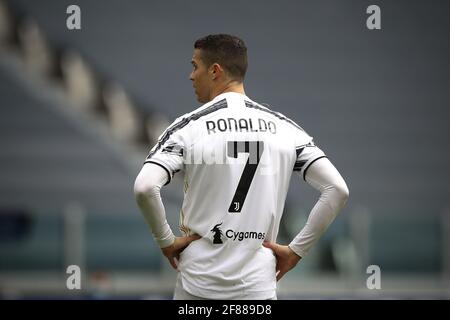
x: 323, y: 176
x: 147, y: 192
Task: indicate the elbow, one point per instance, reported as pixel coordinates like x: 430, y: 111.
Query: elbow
x: 143, y: 189
x: 342, y: 192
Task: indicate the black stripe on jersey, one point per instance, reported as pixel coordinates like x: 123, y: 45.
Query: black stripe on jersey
x: 299, y: 150
x: 183, y: 122
x: 299, y: 165
x: 173, y: 149
x: 280, y: 116
x: 309, y: 165
x: 159, y: 164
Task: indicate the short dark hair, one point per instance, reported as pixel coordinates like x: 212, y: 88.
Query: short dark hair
x: 227, y: 50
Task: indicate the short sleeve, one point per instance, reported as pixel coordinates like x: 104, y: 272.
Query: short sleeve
x: 169, y: 151
x: 307, y: 154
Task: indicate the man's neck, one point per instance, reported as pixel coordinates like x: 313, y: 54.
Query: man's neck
x: 232, y: 86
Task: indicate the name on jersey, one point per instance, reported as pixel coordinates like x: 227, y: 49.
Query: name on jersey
x: 240, y: 125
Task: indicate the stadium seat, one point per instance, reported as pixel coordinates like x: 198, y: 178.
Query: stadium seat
x: 36, y: 51
x: 6, y: 24
x: 81, y: 84
x: 126, y: 123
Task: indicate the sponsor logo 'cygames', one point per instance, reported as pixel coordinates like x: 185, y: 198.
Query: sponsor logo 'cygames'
x: 217, y: 234
x: 239, y: 236
x: 234, y: 235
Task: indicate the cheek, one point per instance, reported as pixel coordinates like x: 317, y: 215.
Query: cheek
x: 198, y: 78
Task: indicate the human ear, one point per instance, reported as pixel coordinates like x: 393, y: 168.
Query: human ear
x: 215, y: 70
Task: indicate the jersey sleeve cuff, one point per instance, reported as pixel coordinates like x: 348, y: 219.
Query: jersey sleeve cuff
x: 301, y: 253
x: 166, y: 242
x: 309, y: 163
x: 169, y: 173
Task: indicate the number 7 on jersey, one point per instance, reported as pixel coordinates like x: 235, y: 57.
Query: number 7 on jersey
x: 255, y: 150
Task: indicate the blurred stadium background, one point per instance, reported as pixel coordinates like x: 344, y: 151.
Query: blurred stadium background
x: 80, y: 109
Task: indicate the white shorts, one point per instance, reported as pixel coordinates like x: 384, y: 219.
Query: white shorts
x: 181, y: 294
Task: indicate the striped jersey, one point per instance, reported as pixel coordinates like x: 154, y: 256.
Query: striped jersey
x: 238, y: 158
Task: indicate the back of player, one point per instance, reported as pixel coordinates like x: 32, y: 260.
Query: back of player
x: 238, y: 158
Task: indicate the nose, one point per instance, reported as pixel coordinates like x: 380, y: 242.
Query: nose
x: 191, y: 77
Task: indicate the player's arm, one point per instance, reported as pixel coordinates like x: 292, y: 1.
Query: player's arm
x: 323, y: 176
x: 147, y: 188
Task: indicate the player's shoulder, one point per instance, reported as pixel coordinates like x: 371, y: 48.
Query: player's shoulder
x: 292, y: 128
x: 266, y: 108
x: 203, y: 110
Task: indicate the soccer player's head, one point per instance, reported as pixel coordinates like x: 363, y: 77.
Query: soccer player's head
x: 218, y: 59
